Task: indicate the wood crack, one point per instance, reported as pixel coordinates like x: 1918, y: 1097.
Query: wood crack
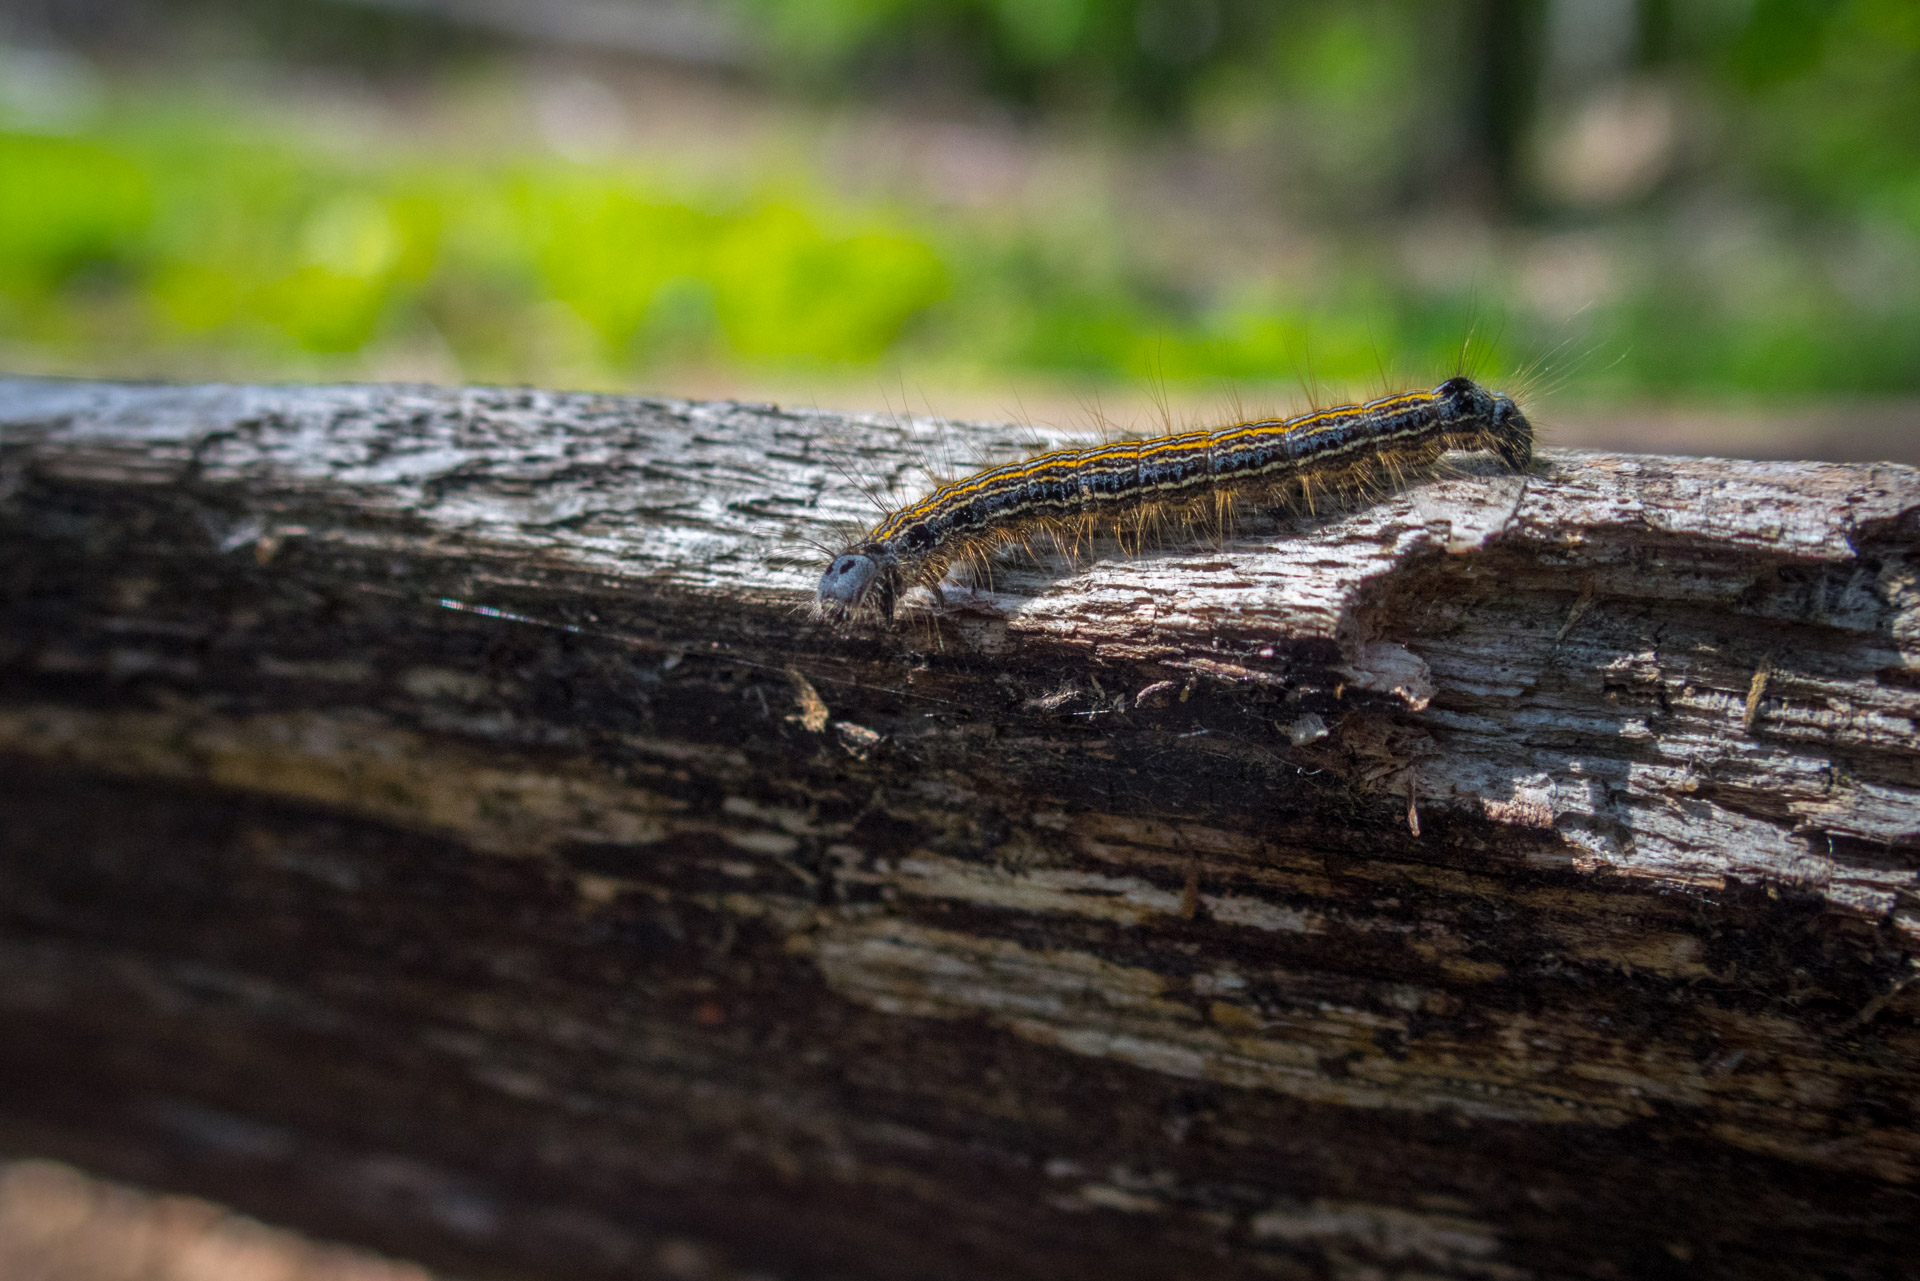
x: 457, y: 778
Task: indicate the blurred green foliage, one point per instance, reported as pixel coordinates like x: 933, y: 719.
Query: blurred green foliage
x: 1140, y: 56
x: 159, y: 236
x: 178, y: 232
x: 173, y: 234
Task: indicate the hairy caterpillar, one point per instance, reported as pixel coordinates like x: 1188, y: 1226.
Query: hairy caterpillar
x: 1178, y: 478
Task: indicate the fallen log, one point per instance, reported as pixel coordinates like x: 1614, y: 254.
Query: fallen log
x: 436, y: 821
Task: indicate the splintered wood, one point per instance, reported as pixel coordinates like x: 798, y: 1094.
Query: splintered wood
x: 437, y: 821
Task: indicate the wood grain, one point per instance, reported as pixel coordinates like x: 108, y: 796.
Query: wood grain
x: 440, y: 823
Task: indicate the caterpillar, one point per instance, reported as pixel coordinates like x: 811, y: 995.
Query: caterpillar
x: 1176, y: 478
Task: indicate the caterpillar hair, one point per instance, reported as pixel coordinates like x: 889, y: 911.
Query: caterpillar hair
x: 1181, y: 478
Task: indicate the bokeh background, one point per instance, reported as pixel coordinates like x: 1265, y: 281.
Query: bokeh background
x: 1690, y: 225
x: 1681, y: 225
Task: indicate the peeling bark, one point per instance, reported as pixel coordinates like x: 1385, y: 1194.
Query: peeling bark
x: 438, y: 822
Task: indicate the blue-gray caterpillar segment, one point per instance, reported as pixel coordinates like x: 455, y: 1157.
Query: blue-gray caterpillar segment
x: 1175, y: 477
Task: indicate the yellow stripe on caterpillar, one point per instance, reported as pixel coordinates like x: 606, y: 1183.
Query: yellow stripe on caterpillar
x: 1177, y: 478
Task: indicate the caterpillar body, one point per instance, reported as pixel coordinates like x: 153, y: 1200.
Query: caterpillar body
x: 1181, y: 479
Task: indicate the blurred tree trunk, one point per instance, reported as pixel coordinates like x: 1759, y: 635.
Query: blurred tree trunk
x: 1505, y: 39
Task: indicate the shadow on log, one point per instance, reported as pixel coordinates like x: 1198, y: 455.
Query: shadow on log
x: 434, y: 821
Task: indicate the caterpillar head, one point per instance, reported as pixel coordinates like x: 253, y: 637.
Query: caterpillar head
x: 1506, y: 432
x: 857, y: 580
x: 1509, y: 434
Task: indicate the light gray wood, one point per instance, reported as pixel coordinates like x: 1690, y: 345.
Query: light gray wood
x: 1519, y: 875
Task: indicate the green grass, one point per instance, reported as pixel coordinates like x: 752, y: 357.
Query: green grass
x: 178, y: 235
x: 163, y: 239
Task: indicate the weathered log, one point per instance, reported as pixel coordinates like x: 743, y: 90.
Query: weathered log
x: 436, y: 821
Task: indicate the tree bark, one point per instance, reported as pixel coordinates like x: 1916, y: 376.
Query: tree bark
x: 437, y: 821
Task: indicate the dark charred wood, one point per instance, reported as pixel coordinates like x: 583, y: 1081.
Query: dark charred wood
x: 436, y: 821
